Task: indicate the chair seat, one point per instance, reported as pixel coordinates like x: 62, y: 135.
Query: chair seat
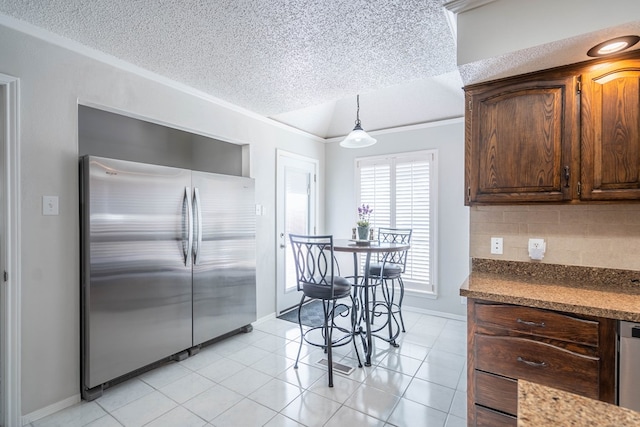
x: 390, y: 269
x: 341, y: 289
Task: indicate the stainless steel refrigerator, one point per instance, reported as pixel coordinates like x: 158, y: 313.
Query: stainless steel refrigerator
x: 168, y: 263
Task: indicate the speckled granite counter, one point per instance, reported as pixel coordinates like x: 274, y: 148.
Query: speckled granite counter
x: 614, y: 294
x: 544, y: 406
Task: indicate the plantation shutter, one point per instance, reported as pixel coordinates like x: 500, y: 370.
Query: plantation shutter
x: 375, y: 191
x: 400, y: 191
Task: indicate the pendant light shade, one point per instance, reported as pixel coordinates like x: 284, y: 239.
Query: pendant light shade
x: 358, y: 138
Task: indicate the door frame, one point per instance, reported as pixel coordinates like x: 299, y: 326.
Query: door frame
x: 10, y: 256
x: 316, y: 164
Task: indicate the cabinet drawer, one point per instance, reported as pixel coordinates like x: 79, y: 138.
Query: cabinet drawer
x: 496, y: 392
x: 539, y: 362
x: 538, y: 322
x: 487, y: 418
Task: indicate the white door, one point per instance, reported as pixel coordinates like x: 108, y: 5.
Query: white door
x: 296, y: 213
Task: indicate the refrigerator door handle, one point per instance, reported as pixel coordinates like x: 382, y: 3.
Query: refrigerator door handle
x: 196, y: 201
x: 189, y: 220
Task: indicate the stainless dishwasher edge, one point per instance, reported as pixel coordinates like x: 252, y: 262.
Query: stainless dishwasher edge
x: 629, y: 365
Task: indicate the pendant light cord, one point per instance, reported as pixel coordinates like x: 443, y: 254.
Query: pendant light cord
x: 358, y: 110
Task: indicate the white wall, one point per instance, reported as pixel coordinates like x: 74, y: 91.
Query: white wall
x: 52, y: 82
x: 453, y: 217
x: 506, y: 26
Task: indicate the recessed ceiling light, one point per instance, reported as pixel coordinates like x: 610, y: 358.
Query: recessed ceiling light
x: 613, y: 46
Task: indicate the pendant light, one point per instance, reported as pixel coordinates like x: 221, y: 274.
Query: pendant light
x: 358, y: 138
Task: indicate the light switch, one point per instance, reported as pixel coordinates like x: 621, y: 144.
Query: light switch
x: 49, y: 205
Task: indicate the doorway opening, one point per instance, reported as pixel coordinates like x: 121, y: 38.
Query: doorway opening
x: 10, y: 408
x: 296, y: 213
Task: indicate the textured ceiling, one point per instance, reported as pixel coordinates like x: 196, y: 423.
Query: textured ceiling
x: 278, y: 58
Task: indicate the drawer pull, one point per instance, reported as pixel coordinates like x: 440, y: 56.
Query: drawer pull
x: 534, y: 364
x: 538, y: 325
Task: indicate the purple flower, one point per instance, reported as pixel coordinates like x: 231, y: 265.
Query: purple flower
x: 364, y: 213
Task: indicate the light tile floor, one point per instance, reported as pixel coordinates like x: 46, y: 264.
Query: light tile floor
x: 249, y: 380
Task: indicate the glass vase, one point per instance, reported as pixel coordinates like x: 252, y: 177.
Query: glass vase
x: 363, y: 232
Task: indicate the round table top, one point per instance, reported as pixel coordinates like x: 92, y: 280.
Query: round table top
x: 344, y: 245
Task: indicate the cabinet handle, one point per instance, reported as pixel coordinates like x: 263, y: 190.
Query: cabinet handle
x: 530, y: 363
x: 566, y: 176
x: 525, y: 322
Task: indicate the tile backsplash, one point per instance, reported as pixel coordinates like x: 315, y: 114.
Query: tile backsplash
x: 584, y: 235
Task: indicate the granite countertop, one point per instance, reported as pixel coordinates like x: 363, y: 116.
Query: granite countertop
x: 539, y: 405
x: 609, y: 293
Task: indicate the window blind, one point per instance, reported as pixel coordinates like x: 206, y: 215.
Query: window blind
x: 401, y: 191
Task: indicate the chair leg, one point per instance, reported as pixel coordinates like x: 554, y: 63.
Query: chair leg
x: 295, y: 366
x: 401, y: 283
x: 328, y: 337
x: 373, y: 306
x: 389, y: 296
x: 354, y: 324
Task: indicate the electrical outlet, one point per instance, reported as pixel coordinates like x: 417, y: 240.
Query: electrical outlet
x: 536, y: 243
x: 537, y: 248
x: 496, y: 245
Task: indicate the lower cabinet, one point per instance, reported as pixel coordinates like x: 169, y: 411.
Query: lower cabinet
x: 507, y: 342
x: 495, y: 391
x: 485, y: 417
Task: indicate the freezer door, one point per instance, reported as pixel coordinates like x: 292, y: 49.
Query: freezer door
x: 136, y: 278
x: 224, y: 270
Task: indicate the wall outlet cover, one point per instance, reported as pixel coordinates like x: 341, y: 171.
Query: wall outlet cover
x: 496, y: 245
x: 537, y: 248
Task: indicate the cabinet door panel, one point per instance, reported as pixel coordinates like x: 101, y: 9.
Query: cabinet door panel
x: 496, y: 392
x: 519, y: 142
x: 487, y: 418
x: 520, y: 147
x: 611, y: 132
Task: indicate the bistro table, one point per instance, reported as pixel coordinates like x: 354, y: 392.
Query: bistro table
x: 368, y: 248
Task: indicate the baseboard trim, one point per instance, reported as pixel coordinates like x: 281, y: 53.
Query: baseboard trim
x: 265, y: 318
x: 51, y: 409
x: 404, y: 307
x: 434, y: 313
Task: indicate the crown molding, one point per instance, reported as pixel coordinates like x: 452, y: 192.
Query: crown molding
x: 459, y: 6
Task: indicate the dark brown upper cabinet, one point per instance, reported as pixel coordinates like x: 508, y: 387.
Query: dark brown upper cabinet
x: 519, y: 141
x: 610, y: 142
x: 571, y: 134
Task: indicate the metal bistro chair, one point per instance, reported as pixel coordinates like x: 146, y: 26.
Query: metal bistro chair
x: 317, y: 279
x: 389, y: 268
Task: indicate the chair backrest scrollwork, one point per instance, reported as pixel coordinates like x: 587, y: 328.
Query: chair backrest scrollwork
x: 313, y: 257
x: 395, y: 235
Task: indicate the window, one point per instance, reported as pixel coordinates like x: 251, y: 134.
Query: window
x: 401, y: 189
